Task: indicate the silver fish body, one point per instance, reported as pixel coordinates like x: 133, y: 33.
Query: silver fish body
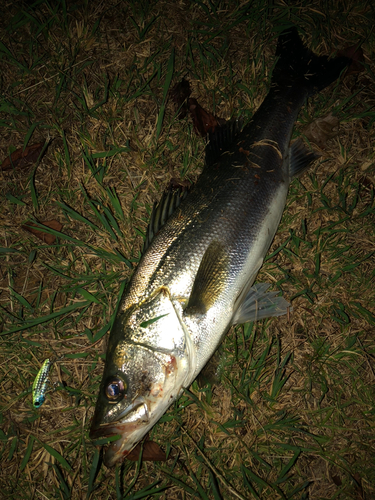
x: 195, y: 279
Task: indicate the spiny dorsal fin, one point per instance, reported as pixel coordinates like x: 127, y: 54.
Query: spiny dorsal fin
x: 210, y: 279
x: 221, y: 140
x: 162, y: 211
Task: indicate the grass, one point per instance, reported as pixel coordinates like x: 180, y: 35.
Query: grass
x: 293, y: 416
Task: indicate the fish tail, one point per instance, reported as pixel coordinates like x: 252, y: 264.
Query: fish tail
x: 298, y: 65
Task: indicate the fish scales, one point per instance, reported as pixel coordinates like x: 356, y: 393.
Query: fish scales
x: 195, y: 280
x: 234, y: 183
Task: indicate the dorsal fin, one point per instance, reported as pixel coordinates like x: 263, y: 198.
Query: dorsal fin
x: 161, y: 212
x: 221, y: 140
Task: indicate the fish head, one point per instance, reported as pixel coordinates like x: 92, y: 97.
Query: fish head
x: 146, y: 367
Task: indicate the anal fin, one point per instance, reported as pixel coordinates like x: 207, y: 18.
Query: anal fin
x: 259, y: 304
x: 300, y: 158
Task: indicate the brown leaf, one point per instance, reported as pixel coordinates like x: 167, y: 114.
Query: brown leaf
x: 21, y: 158
x: 322, y: 129
x: 179, y: 94
x: 203, y: 120
x: 151, y: 453
x: 355, y: 53
x: 39, y: 233
x: 337, y: 480
x: 366, y: 182
x: 175, y: 183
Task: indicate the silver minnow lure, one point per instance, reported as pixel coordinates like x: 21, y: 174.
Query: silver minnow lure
x: 40, y: 383
x: 204, y: 251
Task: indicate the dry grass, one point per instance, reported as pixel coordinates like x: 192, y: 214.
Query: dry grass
x: 294, y: 414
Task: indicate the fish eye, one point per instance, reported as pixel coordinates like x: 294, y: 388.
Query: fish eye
x: 115, y: 389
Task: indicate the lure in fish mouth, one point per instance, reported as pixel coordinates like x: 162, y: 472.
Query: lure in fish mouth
x: 203, y: 253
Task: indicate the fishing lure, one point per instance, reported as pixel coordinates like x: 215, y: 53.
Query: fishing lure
x: 40, y: 384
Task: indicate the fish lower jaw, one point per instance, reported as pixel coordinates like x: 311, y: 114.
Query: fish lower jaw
x: 132, y: 431
x: 131, y: 434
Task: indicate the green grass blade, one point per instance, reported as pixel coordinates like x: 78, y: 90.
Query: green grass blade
x: 215, y: 487
x: 22, y: 300
x: 76, y: 215
x: 29, y: 133
x: 64, y: 488
x: 87, y: 295
x: 282, y: 476
x: 54, y: 453
x: 15, y: 200
x: 94, y: 471
x: 27, y: 455
x: 13, y: 448
x: 45, y: 319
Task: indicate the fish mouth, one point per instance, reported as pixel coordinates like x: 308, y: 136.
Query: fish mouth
x: 131, y: 426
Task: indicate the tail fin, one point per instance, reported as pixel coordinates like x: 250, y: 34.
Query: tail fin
x: 297, y: 63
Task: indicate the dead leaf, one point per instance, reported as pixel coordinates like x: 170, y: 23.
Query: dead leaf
x: 151, y: 453
x: 355, y: 53
x: 39, y: 233
x: 175, y: 183
x: 22, y: 157
x: 179, y: 94
x: 366, y: 182
x: 203, y: 120
x: 337, y: 480
x: 322, y: 129
x: 367, y: 164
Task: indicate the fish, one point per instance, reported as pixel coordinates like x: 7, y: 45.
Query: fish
x: 203, y: 251
x: 40, y: 383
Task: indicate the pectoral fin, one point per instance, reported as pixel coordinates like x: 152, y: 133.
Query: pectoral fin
x: 210, y: 280
x: 259, y: 304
